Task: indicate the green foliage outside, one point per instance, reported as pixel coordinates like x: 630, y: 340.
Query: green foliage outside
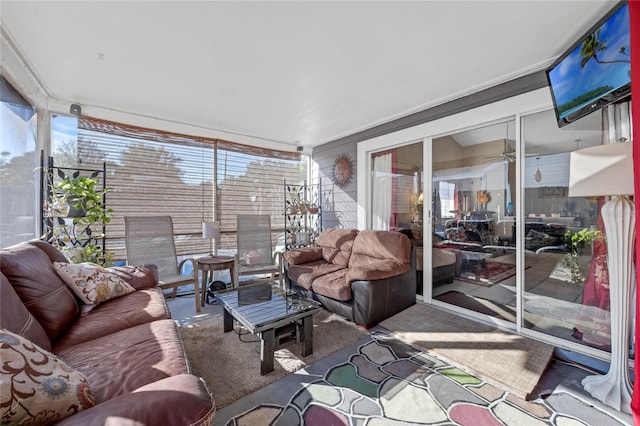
x: 577, y: 243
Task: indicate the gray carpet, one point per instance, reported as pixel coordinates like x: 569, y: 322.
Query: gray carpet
x: 507, y: 360
x: 231, y: 368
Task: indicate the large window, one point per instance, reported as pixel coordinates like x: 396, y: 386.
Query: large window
x: 189, y: 178
x: 18, y: 167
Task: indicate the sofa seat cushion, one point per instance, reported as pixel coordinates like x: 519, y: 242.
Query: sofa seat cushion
x: 17, y: 319
x: 178, y: 400
x: 378, y: 270
x: 128, y: 359
x: 30, y: 271
x: 36, y: 386
x: 304, y: 275
x: 443, y: 257
x: 333, y: 285
x: 336, y: 245
x: 140, y: 307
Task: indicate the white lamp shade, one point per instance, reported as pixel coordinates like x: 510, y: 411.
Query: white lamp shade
x: 601, y: 170
x: 210, y: 230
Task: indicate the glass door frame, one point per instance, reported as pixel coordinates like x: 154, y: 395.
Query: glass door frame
x: 514, y: 108
x: 428, y: 289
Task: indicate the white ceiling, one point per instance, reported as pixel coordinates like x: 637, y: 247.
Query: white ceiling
x: 297, y: 73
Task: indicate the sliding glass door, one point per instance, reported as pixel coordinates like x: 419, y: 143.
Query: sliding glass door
x: 566, y: 283
x: 473, y: 223
x: 507, y: 243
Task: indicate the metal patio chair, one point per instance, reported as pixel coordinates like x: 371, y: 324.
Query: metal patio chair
x: 256, y: 254
x: 149, y: 240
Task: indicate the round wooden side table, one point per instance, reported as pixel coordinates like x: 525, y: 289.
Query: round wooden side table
x: 207, y: 265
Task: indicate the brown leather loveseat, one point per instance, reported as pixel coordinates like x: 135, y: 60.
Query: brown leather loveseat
x: 122, y: 359
x: 365, y: 276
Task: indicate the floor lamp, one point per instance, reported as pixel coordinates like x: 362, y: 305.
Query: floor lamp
x: 607, y: 170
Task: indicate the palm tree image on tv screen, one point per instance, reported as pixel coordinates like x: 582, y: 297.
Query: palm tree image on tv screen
x: 596, y: 72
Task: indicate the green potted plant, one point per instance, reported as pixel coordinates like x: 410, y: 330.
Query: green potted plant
x: 77, y: 238
x: 577, y: 244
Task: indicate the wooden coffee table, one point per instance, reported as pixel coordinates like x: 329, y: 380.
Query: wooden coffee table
x: 272, y: 314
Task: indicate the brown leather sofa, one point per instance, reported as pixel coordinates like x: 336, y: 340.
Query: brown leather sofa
x: 127, y: 348
x: 445, y: 265
x: 365, y: 276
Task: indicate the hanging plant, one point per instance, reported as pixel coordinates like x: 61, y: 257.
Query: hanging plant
x: 84, y: 205
x: 82, y: 196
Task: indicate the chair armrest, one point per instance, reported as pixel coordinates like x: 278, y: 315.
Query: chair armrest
x: 138, y: 276
x: 276, y: 259
x: 177, y: 400
x: 385, y: 268
x: 303, y: 255
x: 194, y: 268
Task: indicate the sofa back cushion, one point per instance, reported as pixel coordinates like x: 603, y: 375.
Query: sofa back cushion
x: 15, y: 317
x: 336, y: 245
x: 30, y: 271
x: 371, y: 246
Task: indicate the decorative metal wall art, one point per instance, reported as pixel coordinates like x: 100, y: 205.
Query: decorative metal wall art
x: 342, y: 172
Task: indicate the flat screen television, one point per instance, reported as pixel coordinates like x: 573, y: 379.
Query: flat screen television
x: 595, y: 71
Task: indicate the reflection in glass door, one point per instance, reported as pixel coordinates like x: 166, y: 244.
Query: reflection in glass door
x: 565, y: 281
x: 397, y: 196
x: 561, y: 264
x: 473, y: 223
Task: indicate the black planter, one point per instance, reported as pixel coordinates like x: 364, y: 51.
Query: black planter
x: 74, y: 212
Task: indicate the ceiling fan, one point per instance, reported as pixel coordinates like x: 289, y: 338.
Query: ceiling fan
x: 507, y: 154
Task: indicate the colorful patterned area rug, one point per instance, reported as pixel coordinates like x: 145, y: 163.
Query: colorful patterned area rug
x: 385, y: 381
x: 230, y: 364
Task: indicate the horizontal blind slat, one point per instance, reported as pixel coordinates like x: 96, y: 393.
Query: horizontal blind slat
x: 158, y: 173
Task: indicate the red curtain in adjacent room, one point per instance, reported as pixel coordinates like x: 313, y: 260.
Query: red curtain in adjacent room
x: 634, y: 17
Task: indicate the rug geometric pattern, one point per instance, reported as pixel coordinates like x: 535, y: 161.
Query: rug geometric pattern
x: 389, y: 382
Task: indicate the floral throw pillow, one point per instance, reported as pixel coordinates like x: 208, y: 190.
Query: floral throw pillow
x: 37, y: 387
x: 92, y: 283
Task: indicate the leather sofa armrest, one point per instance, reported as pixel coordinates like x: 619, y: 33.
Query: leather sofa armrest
x: 376, y: 300
x: 178, y: 400
x: 138, y: 276
x: 303, y: 255
x: 385, y: 268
